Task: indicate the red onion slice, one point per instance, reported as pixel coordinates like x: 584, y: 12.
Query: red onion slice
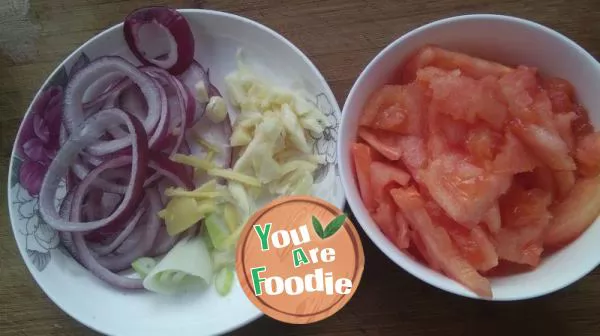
x: 176, y: 172
x: 87, y: 259
x: 97, y: 92
x: 174, y: 25
x: 73, y: 112
x: 150, y: 230
x: 118, y: 240
x: 163, y: 243
x: 92, y: 129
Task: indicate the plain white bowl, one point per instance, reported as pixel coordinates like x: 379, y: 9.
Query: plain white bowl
x: 118, y: 312
x: 508, y: 40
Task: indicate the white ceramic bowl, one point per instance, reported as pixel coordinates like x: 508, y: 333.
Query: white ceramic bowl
x: 91, y: 301
x: 508, y: 40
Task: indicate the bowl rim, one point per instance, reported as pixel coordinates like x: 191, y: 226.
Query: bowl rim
x: 347, y: 176
x: 225, y: 15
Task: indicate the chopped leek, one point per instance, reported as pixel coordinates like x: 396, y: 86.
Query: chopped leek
x: 143, y: 266
x: 188, y: 266
x: 224, y: 281
x: 231, y: 217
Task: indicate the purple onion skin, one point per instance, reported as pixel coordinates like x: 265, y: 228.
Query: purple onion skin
x: 174, y: 22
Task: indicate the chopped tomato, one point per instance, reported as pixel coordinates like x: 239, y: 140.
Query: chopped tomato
x: 495, y: 110
x: 464, y: 98
x: 395, y: 108
x: 548, y: 146
x: 561, y: 94
x: 384, y: 218
x: 449, y: 60
x: 482, y: 143
x: 573, y: 215
x: 504, y: 163
x: 588, y: 154
x: 437, y: 145
x: 379, y: 100
x: 464, y: 191
x: 438, y: 244
x: 513, y: 157
x: 385, y: 143
x: 420, y: 246
x: 414, y: 155
x: 403, y: 232
x: 518, y: 88
x: 492, y: 219
x: 541, y: 178
x: 581, y: 124
x: 362, y: 164
x: 565, y: 180
x: 563, y: 124
x: 454, y: 131
x: 520, y: 245
x: 521, y: 207
x: 382, y: 175
x: 474, y: 245
x: 525, y: 216
x: 542, y: 109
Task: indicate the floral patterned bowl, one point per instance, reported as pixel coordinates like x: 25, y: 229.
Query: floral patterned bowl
x: 75, y: 290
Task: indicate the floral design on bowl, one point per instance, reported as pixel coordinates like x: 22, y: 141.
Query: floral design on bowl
x: 325, y: 143
x: 35, y: 148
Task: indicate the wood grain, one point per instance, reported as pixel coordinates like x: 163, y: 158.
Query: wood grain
x: 340, y: 36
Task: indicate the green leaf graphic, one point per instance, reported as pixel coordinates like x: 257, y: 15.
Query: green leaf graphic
x: 335, y: 225
x: 318, y: 227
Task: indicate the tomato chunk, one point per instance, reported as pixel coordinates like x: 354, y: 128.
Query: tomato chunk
x: 449, y: 60
x: 385, y: 143
x: 561, y: 94
x: 465, y: 191
x: 362, y: 164
x: 403, y: 232
x: 464, y: 98
x: 513, y: 157
x: 548, y: 146
x: 382, y: 175
x: 520, y: 207
x: 520, y: 245
x: 573, y: 215
x: 438, y: 244
x: 395, y: 108
x: 588, y: 154
x: 384, y: 218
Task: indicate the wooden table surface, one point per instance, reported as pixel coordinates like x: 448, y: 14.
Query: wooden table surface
x: 340, y: 36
